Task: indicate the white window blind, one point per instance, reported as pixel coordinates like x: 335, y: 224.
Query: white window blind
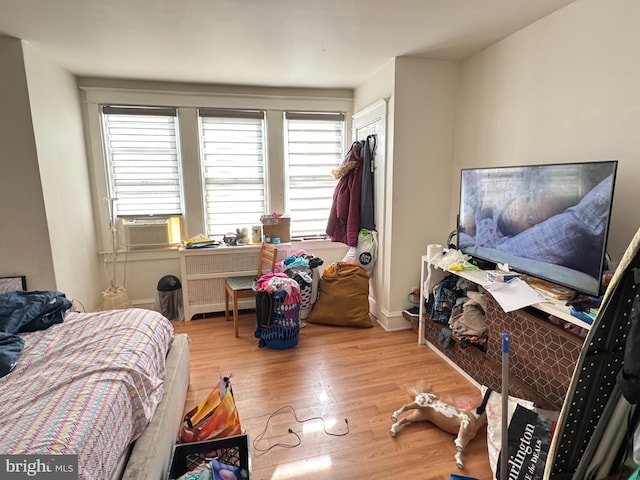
x: 233, y: 164
x: 143, y: 160
x: 314, y: 146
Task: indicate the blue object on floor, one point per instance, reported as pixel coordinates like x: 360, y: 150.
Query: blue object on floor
x: 454, y: 476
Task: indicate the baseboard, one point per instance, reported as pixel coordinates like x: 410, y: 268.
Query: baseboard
x: 392, y: 322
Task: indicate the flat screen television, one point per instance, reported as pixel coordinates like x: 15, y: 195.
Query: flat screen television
x: 549, y: 221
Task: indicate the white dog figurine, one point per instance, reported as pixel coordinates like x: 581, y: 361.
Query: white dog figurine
x: 429, y: 408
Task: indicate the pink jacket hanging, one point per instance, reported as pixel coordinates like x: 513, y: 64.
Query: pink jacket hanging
x: 344, y: 217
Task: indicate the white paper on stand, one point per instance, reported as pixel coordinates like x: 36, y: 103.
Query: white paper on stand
x: 514, y: 295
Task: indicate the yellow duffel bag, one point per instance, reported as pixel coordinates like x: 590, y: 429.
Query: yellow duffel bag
x: 343, y: 298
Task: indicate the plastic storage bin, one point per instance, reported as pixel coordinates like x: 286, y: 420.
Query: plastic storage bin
x: 282, y: 329
x: 230, y: 450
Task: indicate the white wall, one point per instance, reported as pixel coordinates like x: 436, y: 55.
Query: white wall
x: 423, y: 147
x: 24, y: 237
x: 381, y: 87
x: 57, y: 126
x: 566, y: 88
x: 422, y: 95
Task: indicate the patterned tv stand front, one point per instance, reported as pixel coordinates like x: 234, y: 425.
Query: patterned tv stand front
x: 542, y: 355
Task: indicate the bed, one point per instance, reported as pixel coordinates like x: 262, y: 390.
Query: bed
x: 108, y: 386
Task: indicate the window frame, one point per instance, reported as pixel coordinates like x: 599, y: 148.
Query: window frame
x: 236, y: 116
x: 151, y: 112
x: 312, y: 117
x: 187, y: 99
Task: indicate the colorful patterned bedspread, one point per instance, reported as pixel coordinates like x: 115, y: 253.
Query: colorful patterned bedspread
x: 87, y: 386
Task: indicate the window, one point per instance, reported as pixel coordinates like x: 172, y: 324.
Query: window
x: 143, y: 160
x: 217, y: 159
x: 233, y: 166
x: 313, y: 148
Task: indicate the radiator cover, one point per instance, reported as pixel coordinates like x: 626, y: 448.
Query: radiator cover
x: 204, y: 272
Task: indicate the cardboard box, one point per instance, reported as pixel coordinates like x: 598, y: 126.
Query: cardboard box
x: 235, y: 451
x: 276, y: 227
x: 555, y: 291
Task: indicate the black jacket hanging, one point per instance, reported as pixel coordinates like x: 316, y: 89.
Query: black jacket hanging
x: 367, y: 219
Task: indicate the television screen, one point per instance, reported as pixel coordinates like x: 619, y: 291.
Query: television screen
x: 548, y: 221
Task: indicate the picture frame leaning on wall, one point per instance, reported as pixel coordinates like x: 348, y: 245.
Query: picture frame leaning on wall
x: 12, y: 283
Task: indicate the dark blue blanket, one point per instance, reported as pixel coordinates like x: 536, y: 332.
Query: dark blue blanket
x: 26, y: 312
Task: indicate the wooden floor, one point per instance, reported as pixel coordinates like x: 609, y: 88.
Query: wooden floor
x: 336, y: 373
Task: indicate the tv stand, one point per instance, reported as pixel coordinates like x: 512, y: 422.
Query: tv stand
x: 542, y: 355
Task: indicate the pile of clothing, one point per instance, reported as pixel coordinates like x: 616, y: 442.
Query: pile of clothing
x: 459, y: 305
x: 302, y: 267
x: 22, y: 312
x: 264, y: 288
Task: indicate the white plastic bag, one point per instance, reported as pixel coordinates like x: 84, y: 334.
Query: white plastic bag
x: 365, y: 253
x: 494, y: 423
x: 539, y: 431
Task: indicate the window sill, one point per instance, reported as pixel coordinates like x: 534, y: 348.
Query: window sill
x: 163, y: 253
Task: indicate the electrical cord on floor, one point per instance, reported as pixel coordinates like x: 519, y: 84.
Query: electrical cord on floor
x: 290, y: 430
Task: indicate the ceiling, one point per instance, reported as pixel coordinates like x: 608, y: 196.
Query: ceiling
x: 293, y: 43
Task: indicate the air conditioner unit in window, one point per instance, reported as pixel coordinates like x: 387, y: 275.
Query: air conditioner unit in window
x: 146, y: 232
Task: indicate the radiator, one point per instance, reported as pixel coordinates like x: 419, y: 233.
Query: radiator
x: 204, y: 272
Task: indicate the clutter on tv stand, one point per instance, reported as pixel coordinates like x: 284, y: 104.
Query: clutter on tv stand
x: 501, y: 276
x: 550, y: 289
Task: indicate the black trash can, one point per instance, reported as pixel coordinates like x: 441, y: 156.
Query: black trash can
x: 170, y: 297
